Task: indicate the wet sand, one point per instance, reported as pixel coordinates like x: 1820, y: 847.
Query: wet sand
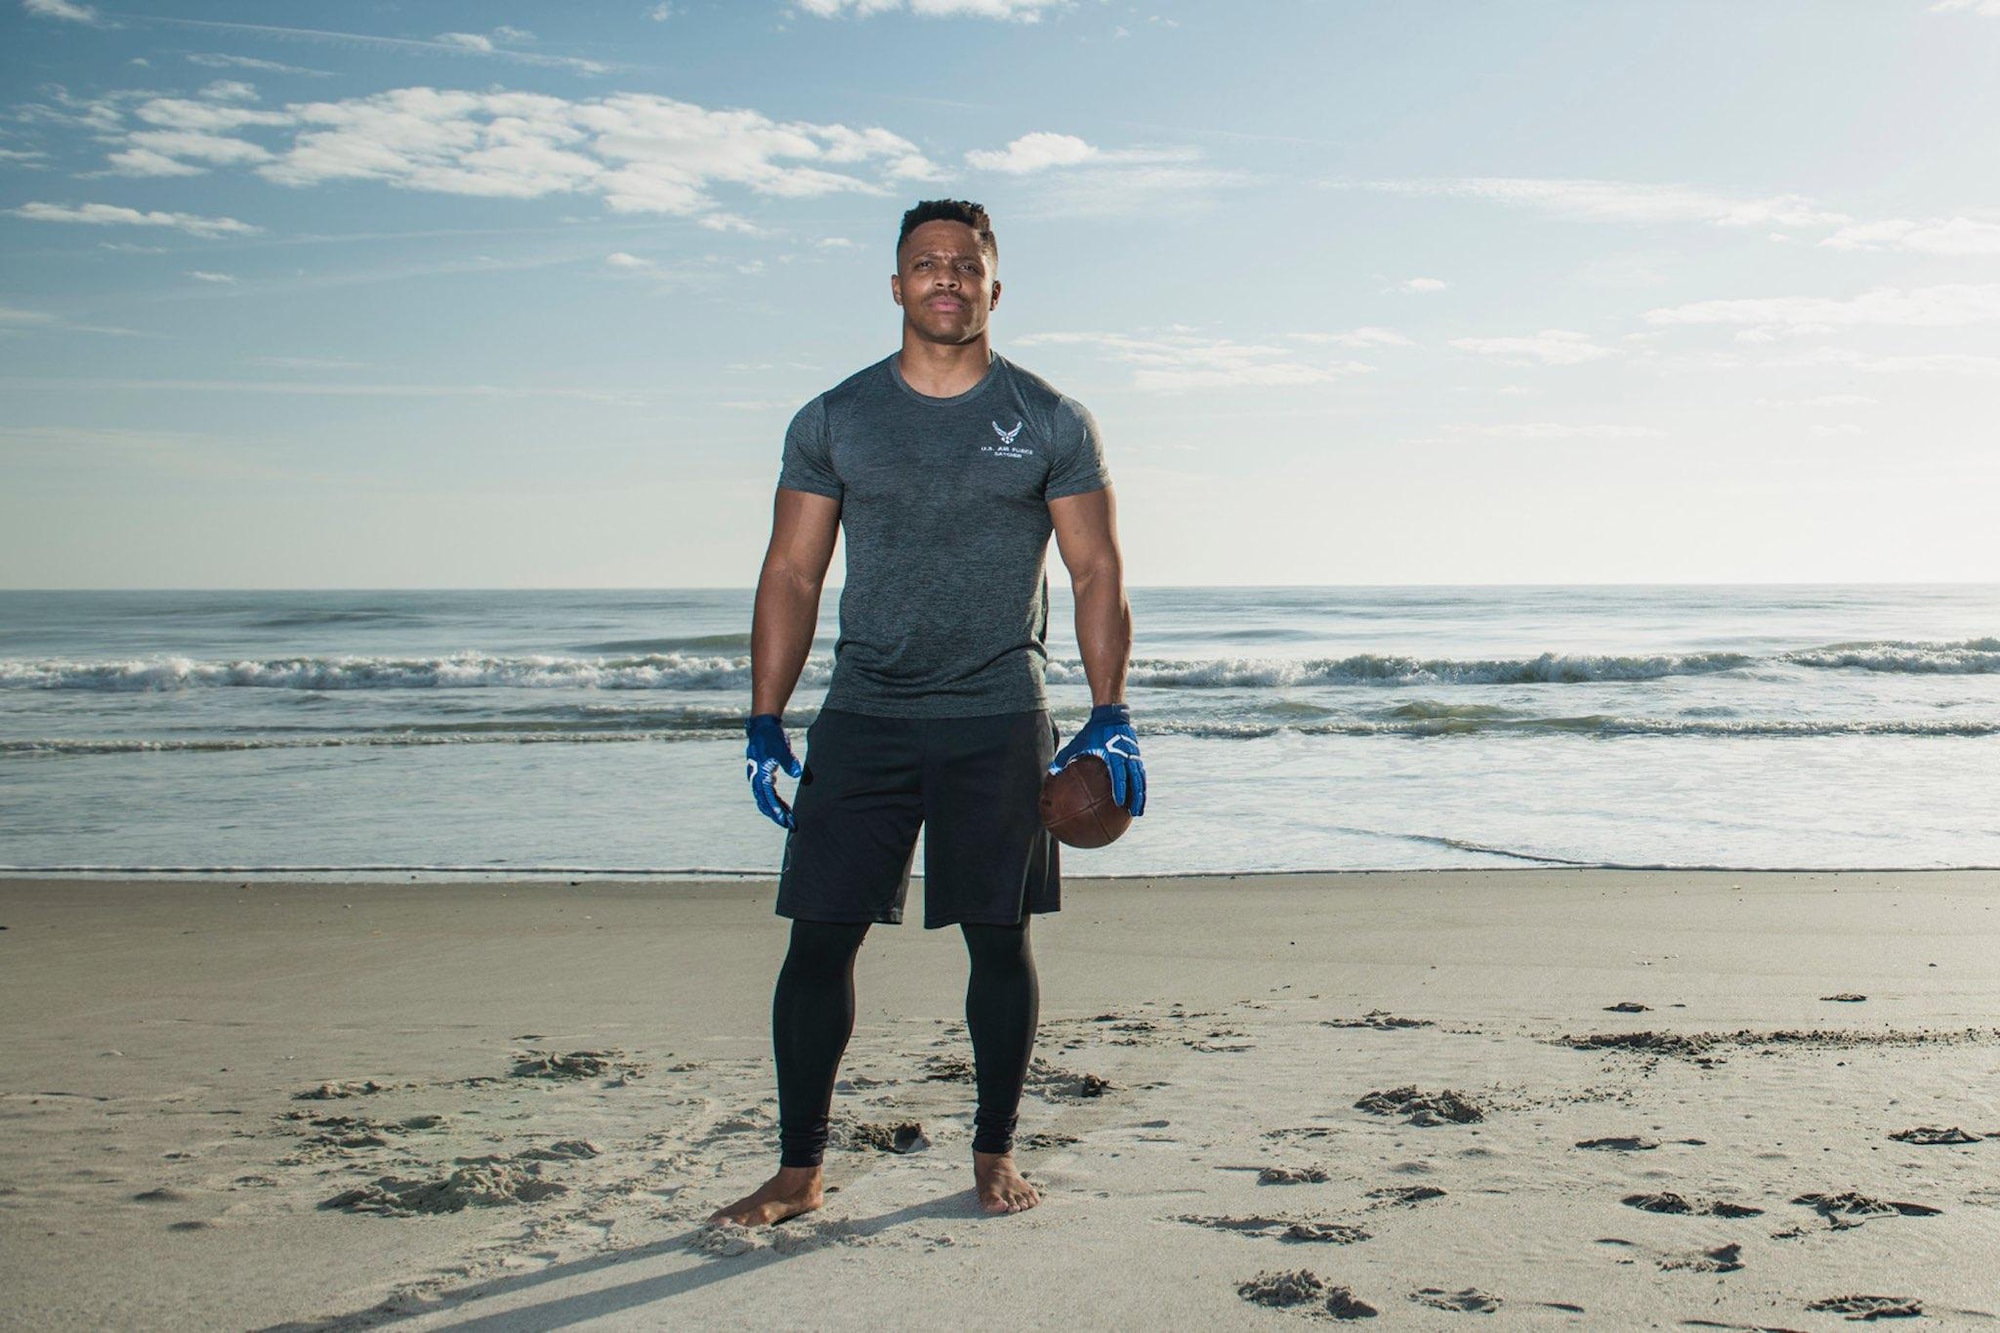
x: 1577, y: 1098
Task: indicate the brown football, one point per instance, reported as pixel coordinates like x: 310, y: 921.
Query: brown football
x: 1077, y: 805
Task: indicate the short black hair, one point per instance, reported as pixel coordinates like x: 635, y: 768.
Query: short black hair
x: 951, y: 210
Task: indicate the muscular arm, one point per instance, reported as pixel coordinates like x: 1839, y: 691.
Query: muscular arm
x: 1087, y: 537
x: 803, y: 528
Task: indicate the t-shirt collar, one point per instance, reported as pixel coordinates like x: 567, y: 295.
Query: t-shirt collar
x: 896, y: 374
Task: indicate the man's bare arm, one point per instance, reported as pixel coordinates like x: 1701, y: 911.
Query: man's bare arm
x: 1087, y: 537
x: 803, y: 529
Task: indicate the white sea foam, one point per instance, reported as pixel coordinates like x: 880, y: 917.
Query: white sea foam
x: 654, y: 671
x: 698, y: 671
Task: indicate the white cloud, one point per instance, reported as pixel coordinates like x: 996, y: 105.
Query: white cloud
x: 1843, y: 428
x: 661, y: 12
x: 1367, y: 336
x: 102, y: 215
x: 17, y: 317
x: 471, y: 41
x: 1820, y: 400
x: 60, y: 9
x: 619, y: 259
x: 1556, y: 430
x: 1989, y: 8
x: 203, y: 275
x: 1945, y: 306
x: 1933, y: 236
x: 410, y: 45
x: 1550, y: 347
x: 1617, y: 201
x: 1175, y: 361
x: 1034, y: 152
x: 230, y: 90
x: 1421, y: 285
x: 1021, y: 11
x: 1043, y: 150
x: 213, y: 60
x: 641, y: 153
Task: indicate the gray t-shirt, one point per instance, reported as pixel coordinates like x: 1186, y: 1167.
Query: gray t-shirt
x: 944, y: 505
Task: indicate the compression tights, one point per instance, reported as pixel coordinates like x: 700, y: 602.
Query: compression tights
x: 812, y: 1016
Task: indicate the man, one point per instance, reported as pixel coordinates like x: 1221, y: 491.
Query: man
x: 947, y: 467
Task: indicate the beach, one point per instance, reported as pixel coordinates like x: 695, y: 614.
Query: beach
x: 1583, y: 1098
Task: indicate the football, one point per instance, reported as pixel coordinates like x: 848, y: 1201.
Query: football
x: 1077, y: 806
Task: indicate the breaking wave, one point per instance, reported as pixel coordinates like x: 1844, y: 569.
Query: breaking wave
x: 718, y: 663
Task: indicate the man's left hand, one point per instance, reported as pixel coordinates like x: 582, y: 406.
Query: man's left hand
x: 1109, y: 735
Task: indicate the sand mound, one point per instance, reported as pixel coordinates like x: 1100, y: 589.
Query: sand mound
x: 1444, y: 1107
x: 468, y: 1187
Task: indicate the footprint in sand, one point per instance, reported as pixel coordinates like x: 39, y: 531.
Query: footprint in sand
x: 1304, y: 1288
x: 1404, y: 1196
x: 1931, y: 1134
x: 1298, y: 1230
x: 574, y: 1065
x: 1674, y: 1203
x: 1870, y: 1308
x: 334, y: 1091
x: 1623, y: 1143
x: 468, y: 1187
x: 1292, y: 1175
x: 860, y: 1136
x: 1722, y: 1259
x: 1835, y: 1208
x: 1469, y: 1301
x: 1380, y: 1020
x: 1444, y: 1107
x: 1628, y: 1007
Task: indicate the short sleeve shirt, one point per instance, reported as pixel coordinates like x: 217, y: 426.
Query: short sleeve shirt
x: 944, y: 509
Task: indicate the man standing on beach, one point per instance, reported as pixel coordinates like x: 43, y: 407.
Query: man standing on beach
x: 947, y: 467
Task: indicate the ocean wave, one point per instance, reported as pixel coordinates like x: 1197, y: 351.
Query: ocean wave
x: 1586, y: 725
x: 1373, y: 669
x: 651, y: 671
x: 1970, y: 657
x: 719, y: 662
x: 731, y: 729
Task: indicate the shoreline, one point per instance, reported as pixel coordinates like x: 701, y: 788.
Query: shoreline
x: 202, y: 1071
x: 332, y: 876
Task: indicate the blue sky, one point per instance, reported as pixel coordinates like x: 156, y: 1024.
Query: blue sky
x: 507, y: 294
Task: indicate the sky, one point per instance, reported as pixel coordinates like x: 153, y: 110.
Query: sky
x: 454, y: 294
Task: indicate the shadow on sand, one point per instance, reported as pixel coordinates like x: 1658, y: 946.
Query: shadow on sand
x: 563, y: 1311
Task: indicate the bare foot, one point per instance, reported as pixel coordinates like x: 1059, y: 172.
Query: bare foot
x: 794, y: 1190
x: 1002, y: 1188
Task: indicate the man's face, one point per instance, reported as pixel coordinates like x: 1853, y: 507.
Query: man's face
x: 945, y: 283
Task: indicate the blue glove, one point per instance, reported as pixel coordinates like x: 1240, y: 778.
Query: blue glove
x: 1109, y: 735
x: 768, y: 752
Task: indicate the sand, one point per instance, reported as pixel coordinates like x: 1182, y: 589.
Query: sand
x: 1582, y: 1099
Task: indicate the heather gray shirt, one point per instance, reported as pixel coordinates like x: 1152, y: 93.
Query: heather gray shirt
x: 944, y: 506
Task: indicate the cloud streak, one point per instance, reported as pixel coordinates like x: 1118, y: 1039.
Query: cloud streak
x: 1932, y: 236
x: 1176, y: 362
x: 113, y: 215
x: 1945, y: 306
x: 1018, y: 11
x: 1550, y: 347
x: 1586, y: 200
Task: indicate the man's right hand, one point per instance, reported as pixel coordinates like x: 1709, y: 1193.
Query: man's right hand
x: 768, y: 752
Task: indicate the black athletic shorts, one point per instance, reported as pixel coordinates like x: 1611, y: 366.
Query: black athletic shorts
x: 972, y: 783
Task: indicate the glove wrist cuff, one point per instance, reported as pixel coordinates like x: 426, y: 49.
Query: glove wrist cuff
x: 1111, y: 713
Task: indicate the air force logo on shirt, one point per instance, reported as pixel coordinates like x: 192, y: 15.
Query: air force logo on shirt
x: 1007, y: 448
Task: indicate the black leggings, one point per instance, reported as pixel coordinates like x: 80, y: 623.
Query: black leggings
x: 812, y: 1016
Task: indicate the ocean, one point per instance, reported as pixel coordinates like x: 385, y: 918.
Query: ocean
x: 417, y: 734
